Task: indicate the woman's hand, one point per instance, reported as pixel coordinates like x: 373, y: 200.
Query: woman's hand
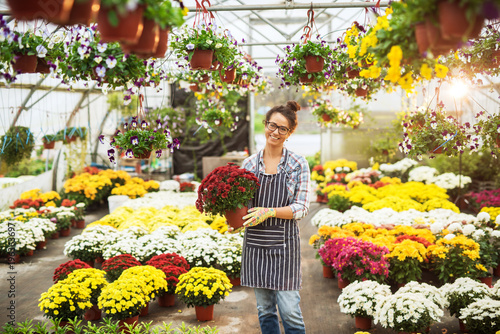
x: 258, y: 215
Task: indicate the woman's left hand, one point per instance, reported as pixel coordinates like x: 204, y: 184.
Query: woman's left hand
x: 258, y: 215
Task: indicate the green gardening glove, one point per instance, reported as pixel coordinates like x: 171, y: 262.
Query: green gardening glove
x: 258, y: 215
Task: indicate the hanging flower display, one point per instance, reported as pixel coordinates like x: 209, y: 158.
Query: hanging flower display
x: 327, y: 114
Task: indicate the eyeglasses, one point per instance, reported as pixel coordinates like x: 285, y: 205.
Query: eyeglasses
x: 271, y: 126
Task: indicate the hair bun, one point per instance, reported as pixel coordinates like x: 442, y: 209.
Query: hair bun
x: 293, y: 105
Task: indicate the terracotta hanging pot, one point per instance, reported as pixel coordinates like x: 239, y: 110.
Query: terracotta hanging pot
x: 437, y: 43
x: 437, y: 150
x: 361, y: 92
x: 25, y: 63
x: 201, y: 59
x: 84, y: 12
x: 421, y: 37
x: 42, y: 66
x: 314, y: 64
x: 454, y: 23
x: 235, y: 217
x: 144, y: 155
x: 49, y: 146
x: 51, y: 10
x: 216, y: 66
x: 148, y: 42
x: 351, y: 73
x: 204, y: 78
x: 162, y: 43
x: 495, y: 59
x: 195, y: 87
x: 129, y: 28
x: 306, y: 80
x: 228, y: 76
x: 326, y: 118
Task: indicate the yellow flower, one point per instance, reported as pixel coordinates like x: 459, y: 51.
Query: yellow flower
x: 393, y: 74
x: 406, y: 82
x: 425, y: 71
x: 351, y: 50
x: 441, y: 71
x: 395, y: 56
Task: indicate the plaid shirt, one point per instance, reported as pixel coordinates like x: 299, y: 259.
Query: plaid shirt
x: 298, y: 181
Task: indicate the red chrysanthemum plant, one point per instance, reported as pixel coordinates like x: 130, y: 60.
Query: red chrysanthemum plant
x: 116, y: 265
x: 67, y: 268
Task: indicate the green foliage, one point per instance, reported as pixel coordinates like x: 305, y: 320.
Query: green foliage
x: 28, y: 167
x: 163, y: 13
x: 314, y: 160
x: 339, y: 203
x: 16, y: 145
x: 115, y: 102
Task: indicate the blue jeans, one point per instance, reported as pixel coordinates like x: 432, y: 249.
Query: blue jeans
x: 288, y: 305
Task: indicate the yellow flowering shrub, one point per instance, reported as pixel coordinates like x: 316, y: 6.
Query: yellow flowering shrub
x: 124, y: 298
x: 492, y: 211
x: 405, y: 259
x: 154, y: 279
x: 202, y: 286
x: 90, y: 278
x: 418, y: 232
x: 87, y: 188
x: 333, y: 164
x: 50, y: 198
x: 454, y: 258
x: 65, y: 301
x: 396, y: 203
x: 136, y: 187
x: 357, y: 228
x: 440, y: 203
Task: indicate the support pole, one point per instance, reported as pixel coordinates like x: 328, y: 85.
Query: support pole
x: 25, y: 102
x: 78, y: 106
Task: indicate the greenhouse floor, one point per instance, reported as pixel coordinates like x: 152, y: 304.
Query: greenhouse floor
x: 236, y: 314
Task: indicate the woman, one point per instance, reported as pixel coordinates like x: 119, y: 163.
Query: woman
x: 271, y: 248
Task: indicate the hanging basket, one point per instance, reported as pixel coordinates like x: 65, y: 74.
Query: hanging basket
x: 204, y: 78
x: 351, y: 73
x: 228, y: 76
x: 195, y: 87
x: 49, y: 146
x: 360, y: 92
x: 437, y: 150
x: 314, y: 64
x: 25, y: 64
x: 421, y: 37
x: 83, y: 12
x: 437, y: 43
x: 201, y: 59
x: 454, y: 23
x: 51, y: 10
x: 42, y: 66
x: 306, y: 80
x: 144, y: 155
x: 216, y: 66
x: 326, y: 118
x: 162, y: 43
x: 148, y: 42
x: 129, y: 28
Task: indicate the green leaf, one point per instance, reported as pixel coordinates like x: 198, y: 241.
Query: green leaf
x: 113, y: 18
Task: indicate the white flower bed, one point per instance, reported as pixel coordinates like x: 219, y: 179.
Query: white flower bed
x: 159, y: 199
x: 436, y: 219
x: 399, y: 167
x: 423, y: 174
x: 362, y: 298
x: 428, y: 291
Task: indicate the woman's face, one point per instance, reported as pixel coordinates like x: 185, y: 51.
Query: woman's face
x: 274, y: 137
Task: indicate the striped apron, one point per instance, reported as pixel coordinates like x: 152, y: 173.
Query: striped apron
x: 271, y: 250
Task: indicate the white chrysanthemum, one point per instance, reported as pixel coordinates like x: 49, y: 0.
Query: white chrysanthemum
x: 361, y: 298
x: 483, y: 217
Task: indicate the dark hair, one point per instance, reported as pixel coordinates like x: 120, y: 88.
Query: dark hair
x: 289, y: 111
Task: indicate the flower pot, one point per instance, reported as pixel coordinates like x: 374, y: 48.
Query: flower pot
x: 129, y: 27
x: 42, y: 67
x: 49, y: 146
x: 326, y: 118
x: 80, y: 224
x: 25, y: 64
x: 195, y: 88
x: 51, y: 10
x: 69, y: 327
x: 201, y: 59
x: 29, y: 253
x: 145, y: 310
x: 495, y: 59
x: 73, y: 223
x: 129, y: 321
x: 361, y: 92
x: 204, y: 78
x: 148, y: 41
x: 166, y: 300
x: 437, y: 43
x: 41, y: 244
x: 13, y: 258
x: 462, y: 326
x: 65, y: 232
x: 235, y: 281
x: 235, y: 217
x: 83, y: 12
x: 204, y: 313
x: 229, y: 75
x: 55, y: 235
x: 69, y: 139
x: 90, y: 263
x: 322, y: 198
x: 453, y: 22
x: 314, y: 64
x: 93, y: 313
x: 363, y: 322
x: 216, y: 66
x: 328, y: 272
x: 487, y: 280
x: 437, y: 150
x: 162, y: 43
x: 421, y: 37
x: 144, y: 155
x: 351, y: 74
x: 305, y: 79
x: 342, y: 283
